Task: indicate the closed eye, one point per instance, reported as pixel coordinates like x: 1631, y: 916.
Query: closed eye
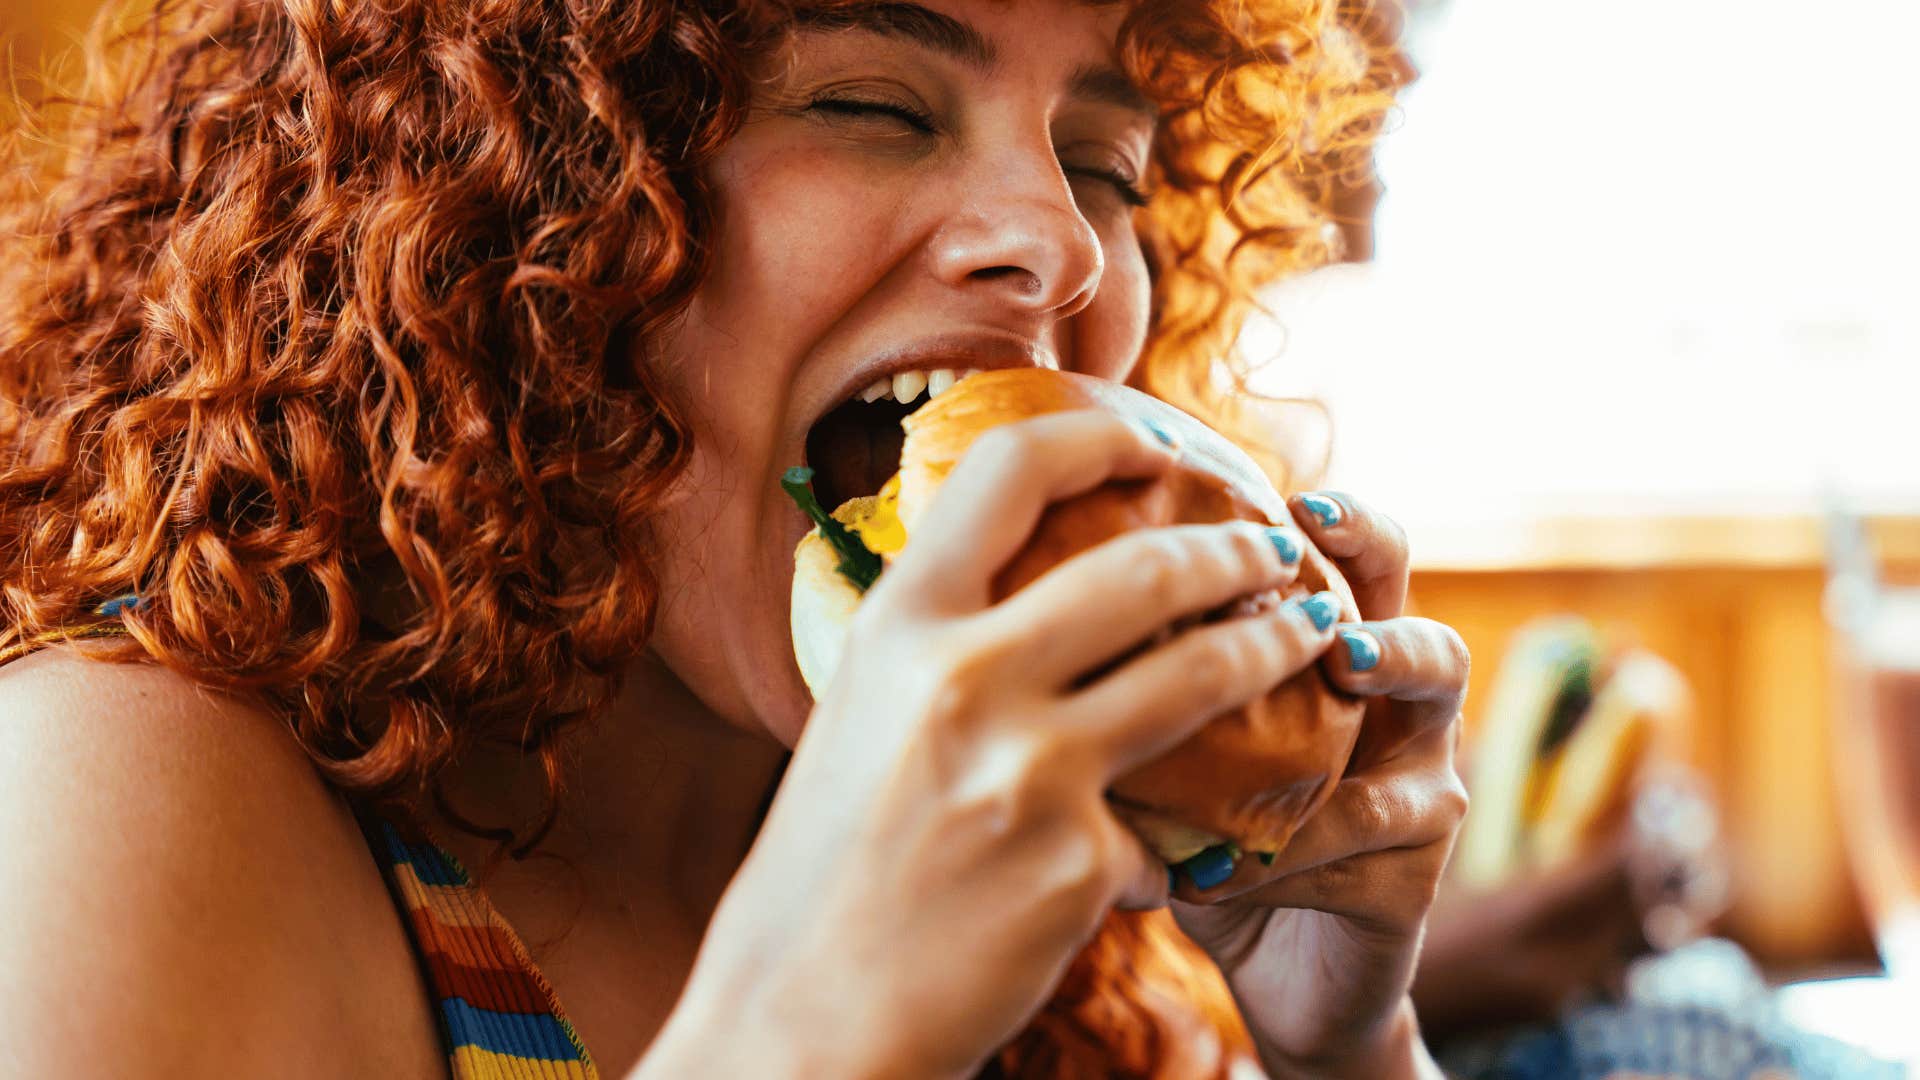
x: 858, y: 109
x: 1129, y: 191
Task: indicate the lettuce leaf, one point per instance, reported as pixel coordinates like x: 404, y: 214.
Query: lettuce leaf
x: 857, y: 564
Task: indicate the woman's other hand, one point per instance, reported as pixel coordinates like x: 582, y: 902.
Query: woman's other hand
x: 941, y: 847
x: 1527, y: 950
x: 1524, y: 952
x: 1320, y: 960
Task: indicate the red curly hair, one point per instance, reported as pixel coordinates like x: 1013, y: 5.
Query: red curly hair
x: 318, y: 329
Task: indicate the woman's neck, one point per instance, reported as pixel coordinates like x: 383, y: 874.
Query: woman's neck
x: 662, y: 800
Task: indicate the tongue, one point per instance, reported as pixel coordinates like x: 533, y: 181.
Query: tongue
x: 853, y: 450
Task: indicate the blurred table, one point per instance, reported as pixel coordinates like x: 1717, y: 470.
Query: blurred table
x: 1867, y: 1012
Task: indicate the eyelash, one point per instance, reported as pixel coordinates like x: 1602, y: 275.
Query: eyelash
x: 1130, y: 192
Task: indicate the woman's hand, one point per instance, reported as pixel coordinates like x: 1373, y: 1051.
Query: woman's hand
x: 1320, y: 960
x: 941, y: 847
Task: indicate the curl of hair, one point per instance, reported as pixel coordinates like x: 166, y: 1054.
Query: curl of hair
x: 324, y: 326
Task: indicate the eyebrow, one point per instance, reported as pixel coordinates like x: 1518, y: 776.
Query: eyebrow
x: 954, y: 38
x: 1110, y: 86
x: 913, y: 23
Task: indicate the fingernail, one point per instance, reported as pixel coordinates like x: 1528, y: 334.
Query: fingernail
x: 1323, y: 608
x: 1323, y: 508
x: 1158, y: 432
x: 112, y: 608
x: 1210, y: 867
x: 1284, y: 543
x: 1363, y: 649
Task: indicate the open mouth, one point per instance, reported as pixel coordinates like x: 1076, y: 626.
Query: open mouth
x: 855, y: 448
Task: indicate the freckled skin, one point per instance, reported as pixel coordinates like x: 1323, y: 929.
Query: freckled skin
x: 841, y: 237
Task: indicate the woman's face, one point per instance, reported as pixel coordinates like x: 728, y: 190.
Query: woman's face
x: 916, y: 188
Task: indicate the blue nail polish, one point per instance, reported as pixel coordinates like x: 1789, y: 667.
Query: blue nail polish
x: 1363, y: 650
x: 1158, y: 432
x: 1285, y: 544
x: 1322, y: 508
x: 1210, y: 867
x: 1323, y: 608
x: 112, y: 608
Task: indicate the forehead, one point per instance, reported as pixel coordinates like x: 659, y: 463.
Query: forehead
x: 990, y: 36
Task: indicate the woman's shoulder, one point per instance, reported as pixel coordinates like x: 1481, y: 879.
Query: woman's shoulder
x: 176, y: 867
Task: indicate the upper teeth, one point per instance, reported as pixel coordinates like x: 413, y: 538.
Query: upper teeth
x: 906, y: 386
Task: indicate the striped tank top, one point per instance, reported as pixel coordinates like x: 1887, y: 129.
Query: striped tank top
x: 498, y: 1016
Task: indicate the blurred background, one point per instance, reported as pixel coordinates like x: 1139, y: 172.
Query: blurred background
x: 1641, y: 302
x: 1639, y: 315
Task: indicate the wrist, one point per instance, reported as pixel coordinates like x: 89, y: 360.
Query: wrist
x: 716, y: 1032
x: 1394, y: 1052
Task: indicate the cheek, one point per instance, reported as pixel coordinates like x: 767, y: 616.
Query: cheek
x: 796, y: 231
x: 1111, y: 332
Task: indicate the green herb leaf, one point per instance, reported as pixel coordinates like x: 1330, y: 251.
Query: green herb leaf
x: 857, y: 564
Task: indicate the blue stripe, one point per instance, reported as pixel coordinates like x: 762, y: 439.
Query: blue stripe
x: 431, y: 867
x: 529, y: 1035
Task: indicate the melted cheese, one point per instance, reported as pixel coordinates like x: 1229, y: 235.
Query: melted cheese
x: 876, y: 520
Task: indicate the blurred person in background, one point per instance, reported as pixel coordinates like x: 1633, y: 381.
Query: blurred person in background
x: 394, y: 399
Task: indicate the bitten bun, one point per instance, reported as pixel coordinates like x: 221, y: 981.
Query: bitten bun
x: 1251, y: 775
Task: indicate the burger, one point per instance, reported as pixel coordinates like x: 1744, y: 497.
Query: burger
x: 1241, y: 785
x: 1565, y: 745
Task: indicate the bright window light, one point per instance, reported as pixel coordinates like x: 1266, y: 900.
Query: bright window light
x: 1647, y: 256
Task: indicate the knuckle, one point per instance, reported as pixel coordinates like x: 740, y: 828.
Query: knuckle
x: 1252, y: 552
x: 1161, y: 568
x: 1002, y: 448
x: 1220, y: 664
x: 962, y: 677
x: 1454, y: 800
x: 1372, y: 817
x: 1393, y: 538
x: 1454, y: 652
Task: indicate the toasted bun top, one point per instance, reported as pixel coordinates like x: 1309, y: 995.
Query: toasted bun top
x: 940, y: 431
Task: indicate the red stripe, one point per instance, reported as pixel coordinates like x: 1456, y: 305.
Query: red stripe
x: 477, y: 964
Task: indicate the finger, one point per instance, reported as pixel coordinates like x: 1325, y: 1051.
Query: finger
x: 1153, y: 702
x: 1420, y: 664
x: 1145, y: 882
x: 1412, y: 801
x: 988, y: 506
x: 1098, y: 604
x: 1369, y: 548
x: 1388, y: 890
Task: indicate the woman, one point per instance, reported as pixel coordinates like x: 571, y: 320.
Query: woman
x: 413, y: 379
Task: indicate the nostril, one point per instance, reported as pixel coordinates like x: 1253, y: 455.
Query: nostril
x: 1023, y: 281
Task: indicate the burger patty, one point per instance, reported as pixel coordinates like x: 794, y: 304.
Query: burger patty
x: 855, y: 448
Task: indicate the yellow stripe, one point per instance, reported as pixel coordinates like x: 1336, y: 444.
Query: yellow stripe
x: 452, y: 905
x: 474, y: 1063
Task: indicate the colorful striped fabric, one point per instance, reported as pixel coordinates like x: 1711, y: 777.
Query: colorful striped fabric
x: 499, y: 1017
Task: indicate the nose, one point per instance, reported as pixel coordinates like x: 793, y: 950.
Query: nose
x: 1020, y: 238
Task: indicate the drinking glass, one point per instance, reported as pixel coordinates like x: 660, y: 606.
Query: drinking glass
x: 1873, y: 611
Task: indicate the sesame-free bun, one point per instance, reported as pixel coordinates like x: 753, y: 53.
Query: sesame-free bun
x: 1252, y: 774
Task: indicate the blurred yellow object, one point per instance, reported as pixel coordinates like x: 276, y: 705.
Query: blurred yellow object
x: 1568, y: 732
x: 1588, y: 785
